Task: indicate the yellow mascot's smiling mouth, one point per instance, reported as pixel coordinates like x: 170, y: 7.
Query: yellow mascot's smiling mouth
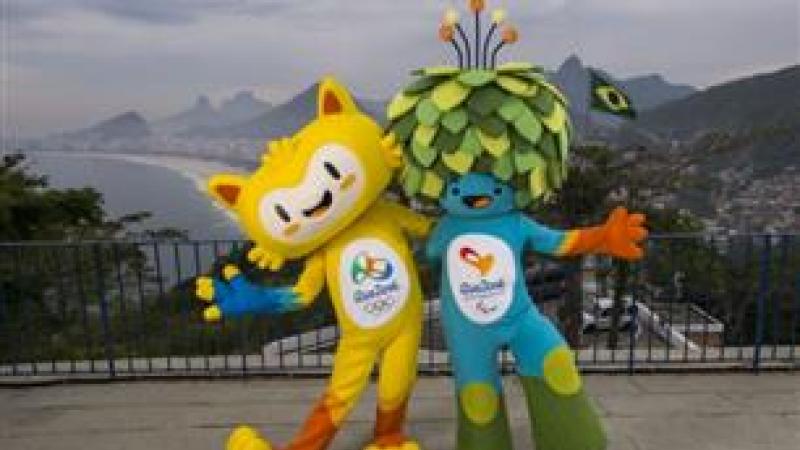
x: 320, y: 208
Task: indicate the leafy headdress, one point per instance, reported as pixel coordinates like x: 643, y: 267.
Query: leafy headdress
x: 506, y: 119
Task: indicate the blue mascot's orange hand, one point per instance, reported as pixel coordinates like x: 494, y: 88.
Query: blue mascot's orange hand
x: 622, y: 234
x: 618, y: 237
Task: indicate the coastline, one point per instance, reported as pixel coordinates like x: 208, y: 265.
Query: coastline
x: 195, y: 170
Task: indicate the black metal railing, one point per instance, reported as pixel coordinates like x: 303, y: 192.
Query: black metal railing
x: 128, y: 309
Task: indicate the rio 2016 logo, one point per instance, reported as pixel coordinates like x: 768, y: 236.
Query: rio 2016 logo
x: 374, y: 282
x: 366, y: 267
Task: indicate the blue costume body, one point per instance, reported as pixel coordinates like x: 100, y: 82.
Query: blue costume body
x: 479, y: 245
x: 527, y: 332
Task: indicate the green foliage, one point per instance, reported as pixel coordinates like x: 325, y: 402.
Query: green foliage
x: 509, y: 122
x: 31, y: 210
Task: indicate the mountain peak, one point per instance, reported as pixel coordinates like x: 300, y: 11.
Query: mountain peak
x: 129, y: 124
x: 572, y: 63
x: 761, y: 102
x: 242, y: 98
x: 652, y: 78
x: 286, y: 118
x: 647, y: 91
x: 244, y: 95
x: 129, y: 116
x: 244, y: 105
x: 203, y: 102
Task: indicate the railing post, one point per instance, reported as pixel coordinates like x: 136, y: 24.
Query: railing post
x: 763, y: 289
x: 573, y: 306
x: 108, y: 341
x: 634, y: 326
x: 5, y: 329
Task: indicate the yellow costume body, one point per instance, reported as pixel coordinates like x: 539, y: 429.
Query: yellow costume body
x: 317, y: 196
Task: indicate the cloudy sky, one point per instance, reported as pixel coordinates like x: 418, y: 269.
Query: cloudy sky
x: 67, y: 63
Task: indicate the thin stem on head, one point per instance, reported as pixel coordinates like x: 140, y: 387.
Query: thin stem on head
x: 495, y: 52
x: 467, y: 48
x: 477, y: 39
x: 486, y: 43
x: 460, y: 54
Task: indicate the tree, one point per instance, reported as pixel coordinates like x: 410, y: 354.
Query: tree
x: 31, y: 210
x: 36, y: 279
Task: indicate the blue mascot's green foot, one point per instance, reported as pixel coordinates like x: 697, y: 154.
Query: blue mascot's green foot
x: 562, y: 422
x: 482, y: 420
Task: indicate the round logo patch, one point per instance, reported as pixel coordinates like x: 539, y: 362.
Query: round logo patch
x: 374, y: 282
x: 482, y: 274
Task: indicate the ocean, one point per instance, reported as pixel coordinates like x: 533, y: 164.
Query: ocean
x: 169, y: 188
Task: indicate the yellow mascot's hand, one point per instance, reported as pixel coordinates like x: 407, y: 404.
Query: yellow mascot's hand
x: 265, y: 259
x: 392, y: 151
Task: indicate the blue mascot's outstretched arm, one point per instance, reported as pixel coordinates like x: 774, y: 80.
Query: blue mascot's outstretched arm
x: 542, y: 239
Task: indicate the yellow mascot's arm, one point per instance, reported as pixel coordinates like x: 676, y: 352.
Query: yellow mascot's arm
x: 312, y: 280
x: 413, y: 223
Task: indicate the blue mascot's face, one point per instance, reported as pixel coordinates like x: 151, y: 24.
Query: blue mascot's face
x: 477, y: 195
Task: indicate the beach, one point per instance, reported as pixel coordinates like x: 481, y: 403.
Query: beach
x: 172, y: 188
x: 195, y: 169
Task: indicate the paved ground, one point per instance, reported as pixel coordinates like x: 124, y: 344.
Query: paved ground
x: 664, y: 412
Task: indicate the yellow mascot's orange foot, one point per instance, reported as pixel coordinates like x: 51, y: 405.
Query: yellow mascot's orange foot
x: 407, y: 445
x: 246, y: 438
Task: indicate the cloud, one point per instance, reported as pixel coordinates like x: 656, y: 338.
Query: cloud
x: 75, y: 61
x: 166, y: 12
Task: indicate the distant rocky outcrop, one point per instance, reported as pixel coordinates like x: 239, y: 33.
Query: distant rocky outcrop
x: 754, y: 103
x: 128, y: 125
x: 242, y: 107
x: 203, y: 118
x: 651, y: 91
x: 282, y: 120
x: 646, y: 92
x: 201, y: 114
x: 288, y: 117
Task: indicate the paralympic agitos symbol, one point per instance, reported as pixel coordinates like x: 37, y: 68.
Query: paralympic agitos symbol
x: 483, y: 263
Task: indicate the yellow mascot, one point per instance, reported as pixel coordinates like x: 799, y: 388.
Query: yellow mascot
x: 318, y: 196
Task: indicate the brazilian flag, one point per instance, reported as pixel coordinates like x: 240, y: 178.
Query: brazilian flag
x: 608, y: 98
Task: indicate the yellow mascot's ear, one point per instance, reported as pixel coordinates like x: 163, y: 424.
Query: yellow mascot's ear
x: 333, y: 98
x: 226, y: 188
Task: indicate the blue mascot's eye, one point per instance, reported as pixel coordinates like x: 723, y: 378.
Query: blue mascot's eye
x: 456, y: 191
x: 498, y: 191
